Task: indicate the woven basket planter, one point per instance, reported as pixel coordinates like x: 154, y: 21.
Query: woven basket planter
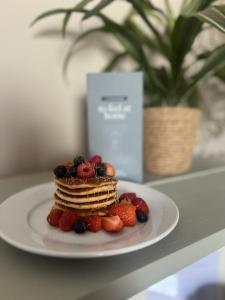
x: 169, y: 137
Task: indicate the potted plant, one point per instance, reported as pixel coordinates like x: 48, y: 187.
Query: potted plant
x: 164, y: 53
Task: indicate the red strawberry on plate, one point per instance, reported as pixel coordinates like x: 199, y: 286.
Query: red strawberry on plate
x: 140, y: 205
x: 67, y: 220
x: 126, y: 212
x: 94, y: 223
x: 86, y: 170
x: 54, y: 216
x: 112, y: 224
x: 109, y: 170
x: 96, y: 160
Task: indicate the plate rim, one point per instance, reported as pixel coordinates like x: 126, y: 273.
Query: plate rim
x: 84, y: 255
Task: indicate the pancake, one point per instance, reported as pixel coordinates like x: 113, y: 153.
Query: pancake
x: 101, y: 212
x: 87, y: 191
x: 90, y: 206
x: 85, y: 198
x: 76, y: 183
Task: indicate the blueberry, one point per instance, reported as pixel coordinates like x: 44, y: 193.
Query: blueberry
x: 101, y: 169
x: 72, y: 171
x: 141, y: 216
x: 60, y: 171
x: 78, y: 160
x: 80, y: 226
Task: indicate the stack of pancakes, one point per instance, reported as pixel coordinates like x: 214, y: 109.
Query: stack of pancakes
x: 93, y: 195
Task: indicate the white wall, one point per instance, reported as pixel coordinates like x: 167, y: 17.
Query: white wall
x: 42, y: 120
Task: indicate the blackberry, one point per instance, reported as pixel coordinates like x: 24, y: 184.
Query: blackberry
x: 101, y: 169
x: 141, y: 216
x: 80, y: 226
x: 72, y: 171
x: 60, y: 171
x: 78, y: 160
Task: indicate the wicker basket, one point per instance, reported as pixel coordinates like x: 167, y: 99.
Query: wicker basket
x: 169, y: 138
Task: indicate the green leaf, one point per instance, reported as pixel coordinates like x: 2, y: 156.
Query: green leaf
x: 97, y: 9
x: 65, y: 22
x: 221, y: 73
x: 170, y: 15
x: 49, y: 13
x: 214, y: 15
x: 190, y: 7
x: 114, y: 61
x: 213, y: 63
x: 82, y: 4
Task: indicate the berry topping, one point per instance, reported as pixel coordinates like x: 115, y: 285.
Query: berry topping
x: 80, y: 226
x: 101, y: 169
x: 94, y: 223
x: 67, y: 220
x: 127, y: 197
x: 68, y: 163
x: 85, y: 170
x: 72, y: 171
x: 96, y: 160
x: 78, y: 160
x: 126, y: 212
x: 112, y: 224
x: 110, y: 171
x: 141, y: 216
x: 54, y: 216
x: 60, y: 171
x: 140, y: 205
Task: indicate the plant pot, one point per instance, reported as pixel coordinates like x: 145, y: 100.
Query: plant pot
x: 169, y: 137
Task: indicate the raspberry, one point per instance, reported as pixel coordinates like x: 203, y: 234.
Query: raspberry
x: 112, y: 224
x: 94, y: 223
x: 127, y: 196
x: 54, y: 216
x: 67, y: 220
x: 140, y: 205
x: 126, y: 212
x: 85, y: 170
x: 96, y: 160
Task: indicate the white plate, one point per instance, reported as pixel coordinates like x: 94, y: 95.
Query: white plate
x: 23, y: 224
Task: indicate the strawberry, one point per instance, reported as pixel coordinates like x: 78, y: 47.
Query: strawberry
x: 127, y: 197
x: 86, y: 170
x: 96, y: 160
x: 67, y: 220
x: 140, y: 205
x: 110, y: 171
x: 94, y: 223
x: 126, y: 212
x: 54, y: 216
x: 112, y: 224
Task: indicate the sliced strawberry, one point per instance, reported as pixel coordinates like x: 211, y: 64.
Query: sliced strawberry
x: 54, y: 216
x: 67, y: 220
x: 96, y: 160
x: 112, y: 224
x: 94, y: 223
x: 126, y: 212
x: 140, y: 205
x: 86, y: 170
x: 110, y: 171
x: 127, y: 197
x: 68, y: 164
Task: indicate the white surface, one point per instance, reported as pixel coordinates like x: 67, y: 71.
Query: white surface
x: 23, y: 224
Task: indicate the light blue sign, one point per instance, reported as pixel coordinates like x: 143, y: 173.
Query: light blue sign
x: 115, y: 121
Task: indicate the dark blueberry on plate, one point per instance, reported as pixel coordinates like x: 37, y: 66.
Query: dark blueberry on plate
x: 78, y: 160
x: 60, y: 171
x: 101, y: 169
x: 72, y: 171
x: 141, y: 216
x: 80, y: 226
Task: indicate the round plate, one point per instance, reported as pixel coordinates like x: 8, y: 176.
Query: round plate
x: 23, y: 224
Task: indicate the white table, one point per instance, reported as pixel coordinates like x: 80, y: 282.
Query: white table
x: 200, y: 197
